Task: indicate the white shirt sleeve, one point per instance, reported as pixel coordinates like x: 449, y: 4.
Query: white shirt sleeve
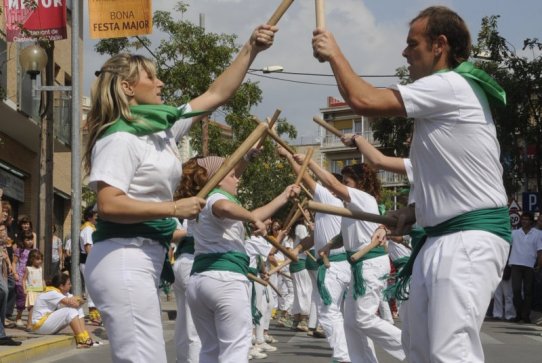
x: 183, y: 125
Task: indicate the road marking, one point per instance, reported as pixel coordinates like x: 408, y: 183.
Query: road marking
x: 488, y: 339
x: 535, y: 337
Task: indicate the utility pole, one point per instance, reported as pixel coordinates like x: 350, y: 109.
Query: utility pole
x: 205, y: 120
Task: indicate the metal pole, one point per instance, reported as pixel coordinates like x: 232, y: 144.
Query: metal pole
x: 205, y: 121
x: 76, y: 151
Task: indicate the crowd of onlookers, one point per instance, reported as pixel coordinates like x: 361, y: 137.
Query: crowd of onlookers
x: 23, y: 286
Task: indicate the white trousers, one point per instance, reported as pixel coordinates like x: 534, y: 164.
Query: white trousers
x: 263, y: 303
x: 503, y: 301
x: 313, y: 315
x: 330, y: 316
x: 90, y: 303
x: 453, y: 279
x: 286, y: 288
x: 123, y: 281
x: 274, y: 279
x: 221, y: 313
x: 361, y: 322
x: 302, y: 292
x: 59, y: 319
x: 187, y: 342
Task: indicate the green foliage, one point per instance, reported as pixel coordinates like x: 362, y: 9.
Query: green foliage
x: 188, y: 60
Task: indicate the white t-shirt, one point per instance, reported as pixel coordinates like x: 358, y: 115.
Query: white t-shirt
x: 454, y: 152
x: 57, y: 243
x: 326, y: 226
x: 146, y: 168
x: 257, y: 246
x: 357, y: 233
x: 86, y: 238
x: 46, y: 303
x: 301, y: 232
x: 525, y: 247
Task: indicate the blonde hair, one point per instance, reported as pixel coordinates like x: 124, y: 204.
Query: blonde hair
x: 109, y: 102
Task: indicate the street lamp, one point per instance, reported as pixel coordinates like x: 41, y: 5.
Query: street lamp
x: 33, y: 60
x: 272, y: 69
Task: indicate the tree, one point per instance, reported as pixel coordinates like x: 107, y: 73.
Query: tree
x: 519, y: 124
x: 190, y: 59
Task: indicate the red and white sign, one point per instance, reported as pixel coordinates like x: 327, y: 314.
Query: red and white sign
x: 46, y: 19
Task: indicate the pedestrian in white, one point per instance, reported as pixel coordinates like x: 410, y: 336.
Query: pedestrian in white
x: 135, y: 168
x: 302, y: 282
x: 90, y: 216
x: 458, y: 188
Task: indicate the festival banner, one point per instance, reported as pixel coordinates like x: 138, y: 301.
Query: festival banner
x: 38, y: 19
x: 119, y: 18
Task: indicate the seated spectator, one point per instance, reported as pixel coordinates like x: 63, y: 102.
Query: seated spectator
x: 56, y: 308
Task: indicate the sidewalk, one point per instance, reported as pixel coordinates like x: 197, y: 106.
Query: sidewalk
x: 35, y: 346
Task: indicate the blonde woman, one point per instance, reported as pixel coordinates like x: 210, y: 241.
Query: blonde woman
x: 135, y: 167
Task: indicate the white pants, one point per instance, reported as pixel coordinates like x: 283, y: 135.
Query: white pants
x: 313, y: 315
x: 59, y: 319
x: 263, y: 303
x: 503, y: 301
x: 286, y: 288
x: 90, y: 303
x: 361, y: 322
x: 221, y: 313
x: 123, y: 280
x: 331, y: 316
x: 453, y: 279
x: 274, y: 279
x: 302, y: 292
x: 187, y: 341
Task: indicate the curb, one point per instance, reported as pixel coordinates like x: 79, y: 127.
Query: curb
x: 37, y: 348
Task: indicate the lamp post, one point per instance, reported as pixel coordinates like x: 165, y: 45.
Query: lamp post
x: 33, y: 60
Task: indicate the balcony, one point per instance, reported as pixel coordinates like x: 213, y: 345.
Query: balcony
x: 331, y: 141
x: 389, y: 179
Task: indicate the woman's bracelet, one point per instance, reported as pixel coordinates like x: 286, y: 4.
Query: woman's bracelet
x: 353, y: 140
x: 174, y: 209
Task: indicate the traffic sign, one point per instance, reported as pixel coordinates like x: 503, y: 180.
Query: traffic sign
x: 531, y: 202
x: 514, y: 219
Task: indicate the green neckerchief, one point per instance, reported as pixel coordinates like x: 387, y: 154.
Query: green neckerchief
x: 310, y: 264
x: 229, y: 261
x: 186, y: 245
x: 149, y: 119
x: 357, y: 269
x: 321, y: 276
x: 491, y: 88
x: 160, y: 230
x: 492, y: 220
x: 297, y: 266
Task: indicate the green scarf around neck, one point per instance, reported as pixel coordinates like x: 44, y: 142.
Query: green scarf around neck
x: 149, y: 119
x: 491, y: 88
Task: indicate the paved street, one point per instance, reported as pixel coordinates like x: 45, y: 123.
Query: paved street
x: 503, y: 343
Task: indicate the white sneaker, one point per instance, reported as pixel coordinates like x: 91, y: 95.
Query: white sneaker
x: 19, y: 323
x: 256, y: 354
x: 264, y: 347
x: 270, y: 339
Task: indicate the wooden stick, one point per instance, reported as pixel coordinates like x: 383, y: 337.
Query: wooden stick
x: 257, y: 279
x: 294, y: 218
x: 232, y: 161
x: 274, y: 288
x: 343, y: 212
x: 279, y: 267
x: 306, y: 191
x: 303, y: 211
x: 270, y: 124
x: 325, y: 258
x: 304, y: 166
x: 364, y: 250
x: 276, y: 137
x: 327, y: 126
x: 320, y: 14
x: 284, y: 274
x: 281, y: 248
x: 310, y: 256
x: 279, y: 12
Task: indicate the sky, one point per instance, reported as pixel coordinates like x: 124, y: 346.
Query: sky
x: 371, y: 34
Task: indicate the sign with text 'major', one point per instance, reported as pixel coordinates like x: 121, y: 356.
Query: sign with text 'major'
x: 40, y: 19
x: 119, y: 18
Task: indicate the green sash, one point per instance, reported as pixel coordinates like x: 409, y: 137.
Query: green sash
x: 297, y: 266
x: 310, y: 264
x: 357, y: 269
x: 321, y: 276
x: 228, y: 261
x: 492, y: 220
x: 256, y: 313
x: 160, y: 230
x: 149, y: 119
x: 492, y: 89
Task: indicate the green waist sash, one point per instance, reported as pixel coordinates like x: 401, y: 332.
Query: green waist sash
x: 160, y: 230
x: 357, y: 269
x: 187, y: 245
x: 492, y: 220
x: 310, y: 264
x: 321, y: 276
x: 256, y: 313
x: 228, y: 261
x: 297, y: 266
